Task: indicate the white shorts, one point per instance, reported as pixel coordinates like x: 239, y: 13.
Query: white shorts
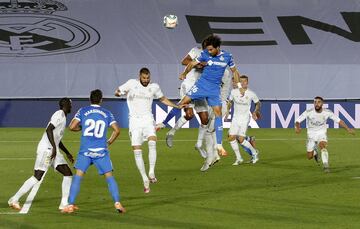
x: 239, y: 127
x: 198, y: 105
x: 43, y: 161
x: 140, y: 129
x: 314, y: 139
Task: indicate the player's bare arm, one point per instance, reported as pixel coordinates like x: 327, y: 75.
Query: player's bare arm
x: 228, y: 106
x: 75, y: 125
x: 66, y: 151
x: 50, y: 135
x: 188, y: 68
x: 114, y: 134
x: 167, y: 102
x: 349, y: 130
x: 297, y: 128
x: 257, y: 114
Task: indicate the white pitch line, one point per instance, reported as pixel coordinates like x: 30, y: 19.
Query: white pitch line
x: 194, y: 140
x: 9, y: 213
x: 15, y: 158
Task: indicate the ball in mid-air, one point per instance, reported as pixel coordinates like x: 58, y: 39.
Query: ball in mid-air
x: 170, y: 21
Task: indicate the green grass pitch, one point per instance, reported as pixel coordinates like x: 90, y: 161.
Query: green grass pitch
x: 283, y: 190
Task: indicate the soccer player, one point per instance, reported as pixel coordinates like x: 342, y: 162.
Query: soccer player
x: 200, y: 106
x: 140, y: 94
x: 241, y: 118
x: 48, y: 155
x: 316, y: 118
x: 93, y: 122
x: 215, y: 62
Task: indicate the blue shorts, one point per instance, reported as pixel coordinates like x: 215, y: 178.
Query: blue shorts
x: 103, y: 164
x: 201, y: 91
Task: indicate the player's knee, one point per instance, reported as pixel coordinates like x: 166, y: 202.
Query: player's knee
x: 231, y: 138
x: 64, y: 170
x: 241, y: 139
x: 310, y: 155
x: 189, y: 116
x: 38, y: 174
x: 322, y: 145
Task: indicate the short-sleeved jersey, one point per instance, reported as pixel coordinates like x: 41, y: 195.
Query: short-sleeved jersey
x: 95, y: 121
x: 242, y: 103
x: 58, y: 120
x: 315, y: 121
x: 194, y: 74
x: 140, y: 98
x: 216, y: 65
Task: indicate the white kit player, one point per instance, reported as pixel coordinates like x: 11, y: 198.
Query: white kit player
x: 200, y: 106
x: 48, y: 154
x: 316, y: 119
x: 140, y: 94
x: 241, y: 118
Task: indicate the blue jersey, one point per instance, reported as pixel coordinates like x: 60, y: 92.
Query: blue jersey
x: 215, y: 68
x: 95, y: 121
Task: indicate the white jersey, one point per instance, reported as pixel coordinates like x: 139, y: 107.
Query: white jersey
x: 315, y: 121
x: 194, y: 74
x: 58, y: 120
x: 242, y: 103
x: 140, y: 98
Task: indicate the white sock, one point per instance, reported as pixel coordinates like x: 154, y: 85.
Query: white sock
x: 178, y: 125
x: 152, y: 158
x: 248, y: 145
x: 28, y: 184
x: 235, y: 147
x: 325, y: 156
x: 140, y: 164
x: 65, y: 187
x: 209, y: 142
x: 201, y: 135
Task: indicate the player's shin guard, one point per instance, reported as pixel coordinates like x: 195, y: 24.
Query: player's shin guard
x: 65, y: 187
x: 140, y: 164
x: 325, y: 156
x: 201, y: 135
x: 249, y: 146
x: 235, y: 147
x: 113, y: 188
x: 218, y: 129
x: 75, y: 188
x: 174, y: 112
x: 152, y: 158
x: 28, y: 184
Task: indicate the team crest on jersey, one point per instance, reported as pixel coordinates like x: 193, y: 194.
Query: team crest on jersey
x: 29, y: 28
x: 221, y: 58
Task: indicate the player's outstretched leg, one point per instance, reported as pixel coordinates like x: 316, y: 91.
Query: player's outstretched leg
x: 28, y: 184
x: 254, y: 152
x: 114, y: 191
x: 141, y: 167
x: 152, y: 160
x: 174, y: 112
x: 170, y: 135
x: 235, y: 147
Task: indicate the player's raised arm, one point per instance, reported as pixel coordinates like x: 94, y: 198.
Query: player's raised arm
x: 50, y: 135
x: 167, y: 102
x: 115, y: 133
x: 188, y: 68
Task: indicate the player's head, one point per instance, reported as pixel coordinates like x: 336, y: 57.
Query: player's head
x: 65, y: 105
x: 212, y: 44
x: 318, y: 103
x: 244, y: 81
x: 96, y: 96
x: 144, y: 76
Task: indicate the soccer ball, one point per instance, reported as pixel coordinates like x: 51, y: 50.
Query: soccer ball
x: 170, y: 21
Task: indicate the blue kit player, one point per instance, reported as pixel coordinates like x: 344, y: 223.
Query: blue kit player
x: 215, y: 61
x: 93, y: 122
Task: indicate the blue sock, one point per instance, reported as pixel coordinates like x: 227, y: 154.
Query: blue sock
x: 75, y: 188
x: 174, y: 112
x: 246, y: 150
x: 218, y: 129
x: 113, y: 188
